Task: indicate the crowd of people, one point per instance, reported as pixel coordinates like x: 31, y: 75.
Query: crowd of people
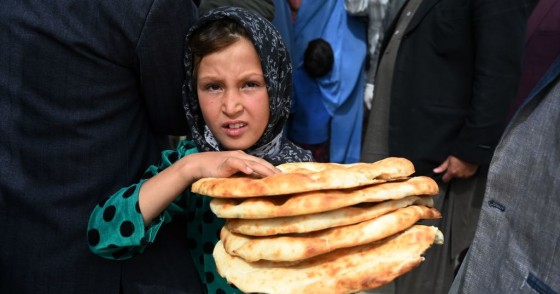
x: 95, y: 198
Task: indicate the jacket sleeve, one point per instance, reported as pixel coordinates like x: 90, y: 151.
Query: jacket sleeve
x: 160, y: 52
x: 499, y: 32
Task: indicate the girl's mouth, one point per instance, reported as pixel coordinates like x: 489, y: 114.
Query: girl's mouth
x: 235, y: 125
x: 234, y: 129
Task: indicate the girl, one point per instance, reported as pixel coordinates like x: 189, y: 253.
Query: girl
x: 237, y: 97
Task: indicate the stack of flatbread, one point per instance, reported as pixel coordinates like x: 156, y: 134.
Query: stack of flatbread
x: 322, y: 227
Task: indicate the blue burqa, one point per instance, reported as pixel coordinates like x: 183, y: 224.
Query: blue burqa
x: 283, y: 22
x: 343, y: 87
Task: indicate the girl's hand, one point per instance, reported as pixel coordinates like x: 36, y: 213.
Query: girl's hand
x: 224, y: 164
x: 158, y: 192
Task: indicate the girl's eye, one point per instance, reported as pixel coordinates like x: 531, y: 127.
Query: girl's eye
x: 212, y: 87
x: 252, y: 84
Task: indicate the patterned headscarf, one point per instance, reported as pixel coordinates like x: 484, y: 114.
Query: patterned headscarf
x: 277, y: 69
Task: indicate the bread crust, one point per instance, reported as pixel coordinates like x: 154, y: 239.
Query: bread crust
x: 298, y: 247
x: 323, y: 220
x: 345, y: 270
x: 320, y: 201
x: 298, y: 177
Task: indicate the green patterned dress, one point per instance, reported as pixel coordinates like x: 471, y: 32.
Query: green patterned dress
x: 116, y: 227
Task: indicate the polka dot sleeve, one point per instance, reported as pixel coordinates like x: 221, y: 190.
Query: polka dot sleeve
x: 116, y: 227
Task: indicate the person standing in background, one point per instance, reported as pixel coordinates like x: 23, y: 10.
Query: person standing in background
x: 309, y: 122
x: 374, y: 10
x: 515, y: 248
x: 542, y: 47
x: 282, y: 21
x: 447, y: 74
x: 343, y: 86
x: 89, y: 92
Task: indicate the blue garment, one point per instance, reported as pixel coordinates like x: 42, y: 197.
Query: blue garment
x: 309, y: 120
x: 282, y: 21
x: 343, y: 87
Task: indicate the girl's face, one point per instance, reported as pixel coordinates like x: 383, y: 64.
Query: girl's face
x: 233, y: 96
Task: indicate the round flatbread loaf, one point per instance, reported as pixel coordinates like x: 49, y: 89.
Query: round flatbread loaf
x: 322, y: 220
x: 320, y: 201
x: 346, y: 270
x: 298, y: 247
x: 298, y: 177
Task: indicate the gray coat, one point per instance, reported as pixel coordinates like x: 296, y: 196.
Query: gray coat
x: 516, y: 246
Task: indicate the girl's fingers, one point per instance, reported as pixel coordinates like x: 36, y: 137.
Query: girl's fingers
x: 262, y: 170
x: 252, y: 165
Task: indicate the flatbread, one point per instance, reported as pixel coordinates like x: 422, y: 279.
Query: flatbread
x: 320, y: 201
x: 298, y: 247
x: 298, y: 177
x: 346, y: 270
x: 322, y: 220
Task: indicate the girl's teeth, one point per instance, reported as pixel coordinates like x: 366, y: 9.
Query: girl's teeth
x: 234, y: 126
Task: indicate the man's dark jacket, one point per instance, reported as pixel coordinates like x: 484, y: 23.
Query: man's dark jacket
x: 88, y: 92
x: 455, y: 76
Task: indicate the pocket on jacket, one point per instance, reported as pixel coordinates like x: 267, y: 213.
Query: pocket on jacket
x: 538, y: 285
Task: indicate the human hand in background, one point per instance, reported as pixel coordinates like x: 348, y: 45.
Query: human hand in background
x: 454, y: 167
x: 368, y: 95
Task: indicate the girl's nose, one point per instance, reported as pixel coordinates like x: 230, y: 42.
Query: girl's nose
x: 231, y: 103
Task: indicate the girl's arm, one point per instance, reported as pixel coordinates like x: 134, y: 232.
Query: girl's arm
x: 116, y: 228
x: 125, y: 223
x: 158, y: 192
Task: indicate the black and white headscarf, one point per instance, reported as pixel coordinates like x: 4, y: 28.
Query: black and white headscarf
x: 277, y: 69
